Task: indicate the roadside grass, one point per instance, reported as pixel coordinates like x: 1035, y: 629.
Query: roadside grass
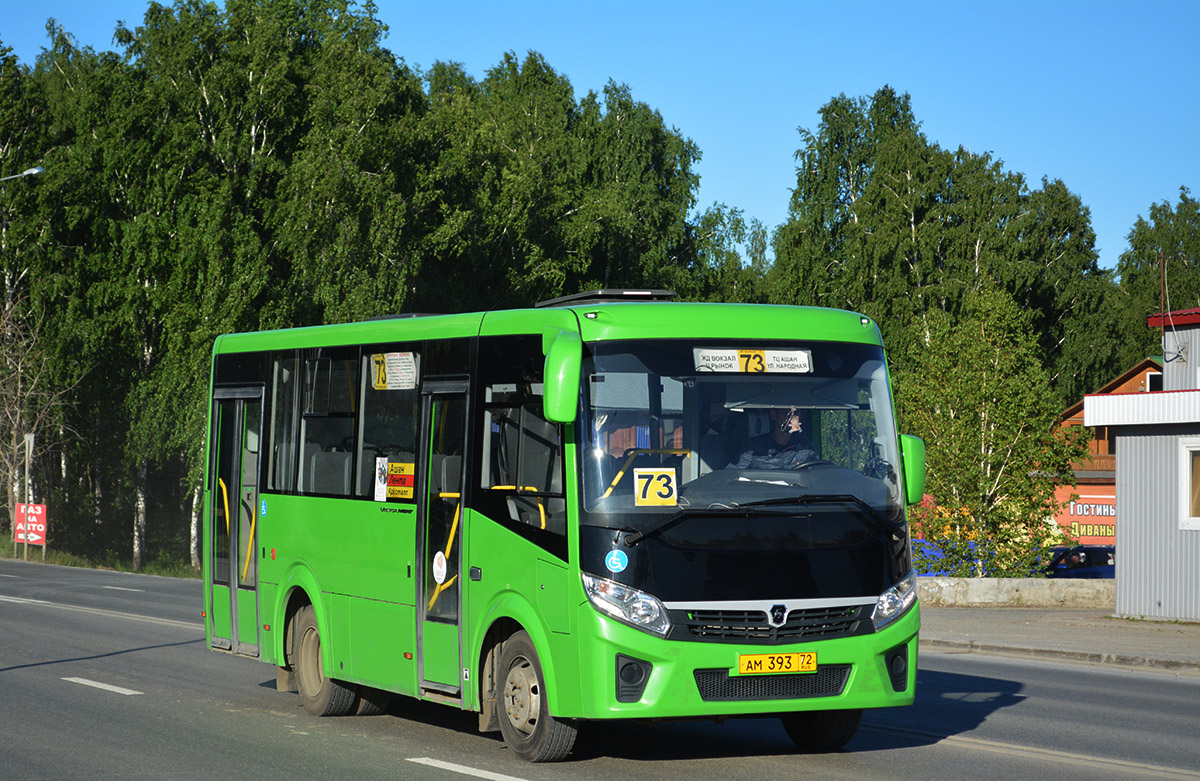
x: 159, y: 565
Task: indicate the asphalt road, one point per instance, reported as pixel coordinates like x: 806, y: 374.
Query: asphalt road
x: 105, y: 675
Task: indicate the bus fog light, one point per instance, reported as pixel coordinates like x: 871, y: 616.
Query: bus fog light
x: 627, y: 605
x: 895, y: 602
x: 632, y: 676
x: 896, y: 661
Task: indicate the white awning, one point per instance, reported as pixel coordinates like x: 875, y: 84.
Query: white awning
x: 1141, y: 409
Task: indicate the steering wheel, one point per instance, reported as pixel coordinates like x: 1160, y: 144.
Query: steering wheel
x: 877, y: 468
x: 814, y: 462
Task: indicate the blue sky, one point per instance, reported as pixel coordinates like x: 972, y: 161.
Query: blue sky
x: 1103, y: 95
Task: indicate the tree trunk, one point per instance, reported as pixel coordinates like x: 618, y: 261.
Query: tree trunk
x: 195, y: 547
x: 139, y: 519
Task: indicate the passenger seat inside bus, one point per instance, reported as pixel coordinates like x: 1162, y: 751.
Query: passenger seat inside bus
x: 329, y: 472
x: 451, y: 474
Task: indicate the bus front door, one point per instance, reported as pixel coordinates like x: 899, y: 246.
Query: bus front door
x: 232, y: 576
x: 444, y: 418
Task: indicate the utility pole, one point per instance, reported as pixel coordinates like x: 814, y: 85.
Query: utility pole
x: 29, y: 493
x: 35, y: 171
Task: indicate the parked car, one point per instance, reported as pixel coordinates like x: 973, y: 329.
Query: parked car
x: 1081, y: 561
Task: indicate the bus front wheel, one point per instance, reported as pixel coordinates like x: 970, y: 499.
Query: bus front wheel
x: 320, y: 696
x: 822, y: 730
x: 525, y: 721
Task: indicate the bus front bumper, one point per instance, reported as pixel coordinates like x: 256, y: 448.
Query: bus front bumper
x: 627, y: 673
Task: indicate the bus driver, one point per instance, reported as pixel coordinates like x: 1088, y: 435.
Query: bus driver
x: 783, y: 447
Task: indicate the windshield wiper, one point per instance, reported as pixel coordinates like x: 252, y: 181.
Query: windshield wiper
x: 686, y: 512
x: 865, y: 509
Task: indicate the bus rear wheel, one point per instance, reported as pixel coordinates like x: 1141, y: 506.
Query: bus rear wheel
x: 525, y: 721
x: 320, y: 696
x: 822, y: 730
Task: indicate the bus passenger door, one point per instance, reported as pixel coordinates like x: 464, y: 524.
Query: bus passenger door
x: 232, y: 577
x: 443, y: 427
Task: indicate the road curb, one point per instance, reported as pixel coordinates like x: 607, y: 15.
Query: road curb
x: 1122, y: 660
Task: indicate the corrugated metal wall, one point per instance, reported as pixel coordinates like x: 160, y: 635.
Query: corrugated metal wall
x: 1181, y: 356
x: 1158, y: 565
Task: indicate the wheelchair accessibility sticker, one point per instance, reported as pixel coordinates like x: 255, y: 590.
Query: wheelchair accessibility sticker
x: 616, y: 561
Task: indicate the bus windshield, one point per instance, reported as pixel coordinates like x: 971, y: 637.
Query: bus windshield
x: 678, y: 428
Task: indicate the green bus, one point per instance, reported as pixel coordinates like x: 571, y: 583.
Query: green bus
x: 611, y: 506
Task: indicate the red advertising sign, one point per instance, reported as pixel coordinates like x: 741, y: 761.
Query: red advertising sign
x: 30, y: 526
x: 1089, y: 513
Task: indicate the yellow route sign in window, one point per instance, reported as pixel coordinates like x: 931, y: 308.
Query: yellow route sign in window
x: 655, y: 487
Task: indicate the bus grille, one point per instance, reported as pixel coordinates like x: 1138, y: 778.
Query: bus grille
x: 828, y: 681
x: 739, y: 626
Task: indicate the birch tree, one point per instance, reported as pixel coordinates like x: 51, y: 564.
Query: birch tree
x: 979, y: 395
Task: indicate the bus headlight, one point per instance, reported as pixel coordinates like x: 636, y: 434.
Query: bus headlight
x: 894, y: 602
x: 628, y: 605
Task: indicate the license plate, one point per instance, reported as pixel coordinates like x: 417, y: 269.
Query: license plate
x: 774, y: 664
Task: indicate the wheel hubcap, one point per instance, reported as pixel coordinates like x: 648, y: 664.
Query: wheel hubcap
x: 522, y: 697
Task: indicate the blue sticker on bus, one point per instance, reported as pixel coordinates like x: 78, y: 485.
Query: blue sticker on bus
x: 262, y: 508
x: 616, y: 561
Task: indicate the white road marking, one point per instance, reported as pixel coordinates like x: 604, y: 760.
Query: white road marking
x: 105, y: 686
x: 1049, y: 755
x: 109, y: 613
x: 2, y: 575
x: 463, y: 769
x: 118, y: 588
x: 23, y: 600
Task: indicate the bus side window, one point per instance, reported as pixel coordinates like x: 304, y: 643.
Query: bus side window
x: 281, y: 467
x: 521, y: 469
x: 327, y: 425
x: 391, y: 409
x: 526, y: 459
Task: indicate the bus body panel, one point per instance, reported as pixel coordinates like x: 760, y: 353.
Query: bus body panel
x: 378, y: 331
x: 301, y: 582
x: 608, y: 322
x: 267, y: 595
x: 525, y: 321
x: 510, y: 588
x: 365, y: 563
x: 206, y: 562
x: 363, y: 550
x: 378, y: 656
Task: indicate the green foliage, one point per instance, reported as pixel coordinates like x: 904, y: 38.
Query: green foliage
x: 1159, y: 272
x: 529, y: 195
x: 718, y: 271
x: 886, y: 223
x: 993, y: 306
x: 997, y: 456
x: 266, y: 163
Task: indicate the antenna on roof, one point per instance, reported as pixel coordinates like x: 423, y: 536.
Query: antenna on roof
x: 609, y: 295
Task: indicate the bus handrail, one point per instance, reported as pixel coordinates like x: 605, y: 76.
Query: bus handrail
x: 225, y: 495
x: 529, y: 489
x: 249, y: 544
x: 437, y: 592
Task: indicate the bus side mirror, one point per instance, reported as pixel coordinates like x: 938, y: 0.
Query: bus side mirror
x: 912, y: 456
x: 564, y: 356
